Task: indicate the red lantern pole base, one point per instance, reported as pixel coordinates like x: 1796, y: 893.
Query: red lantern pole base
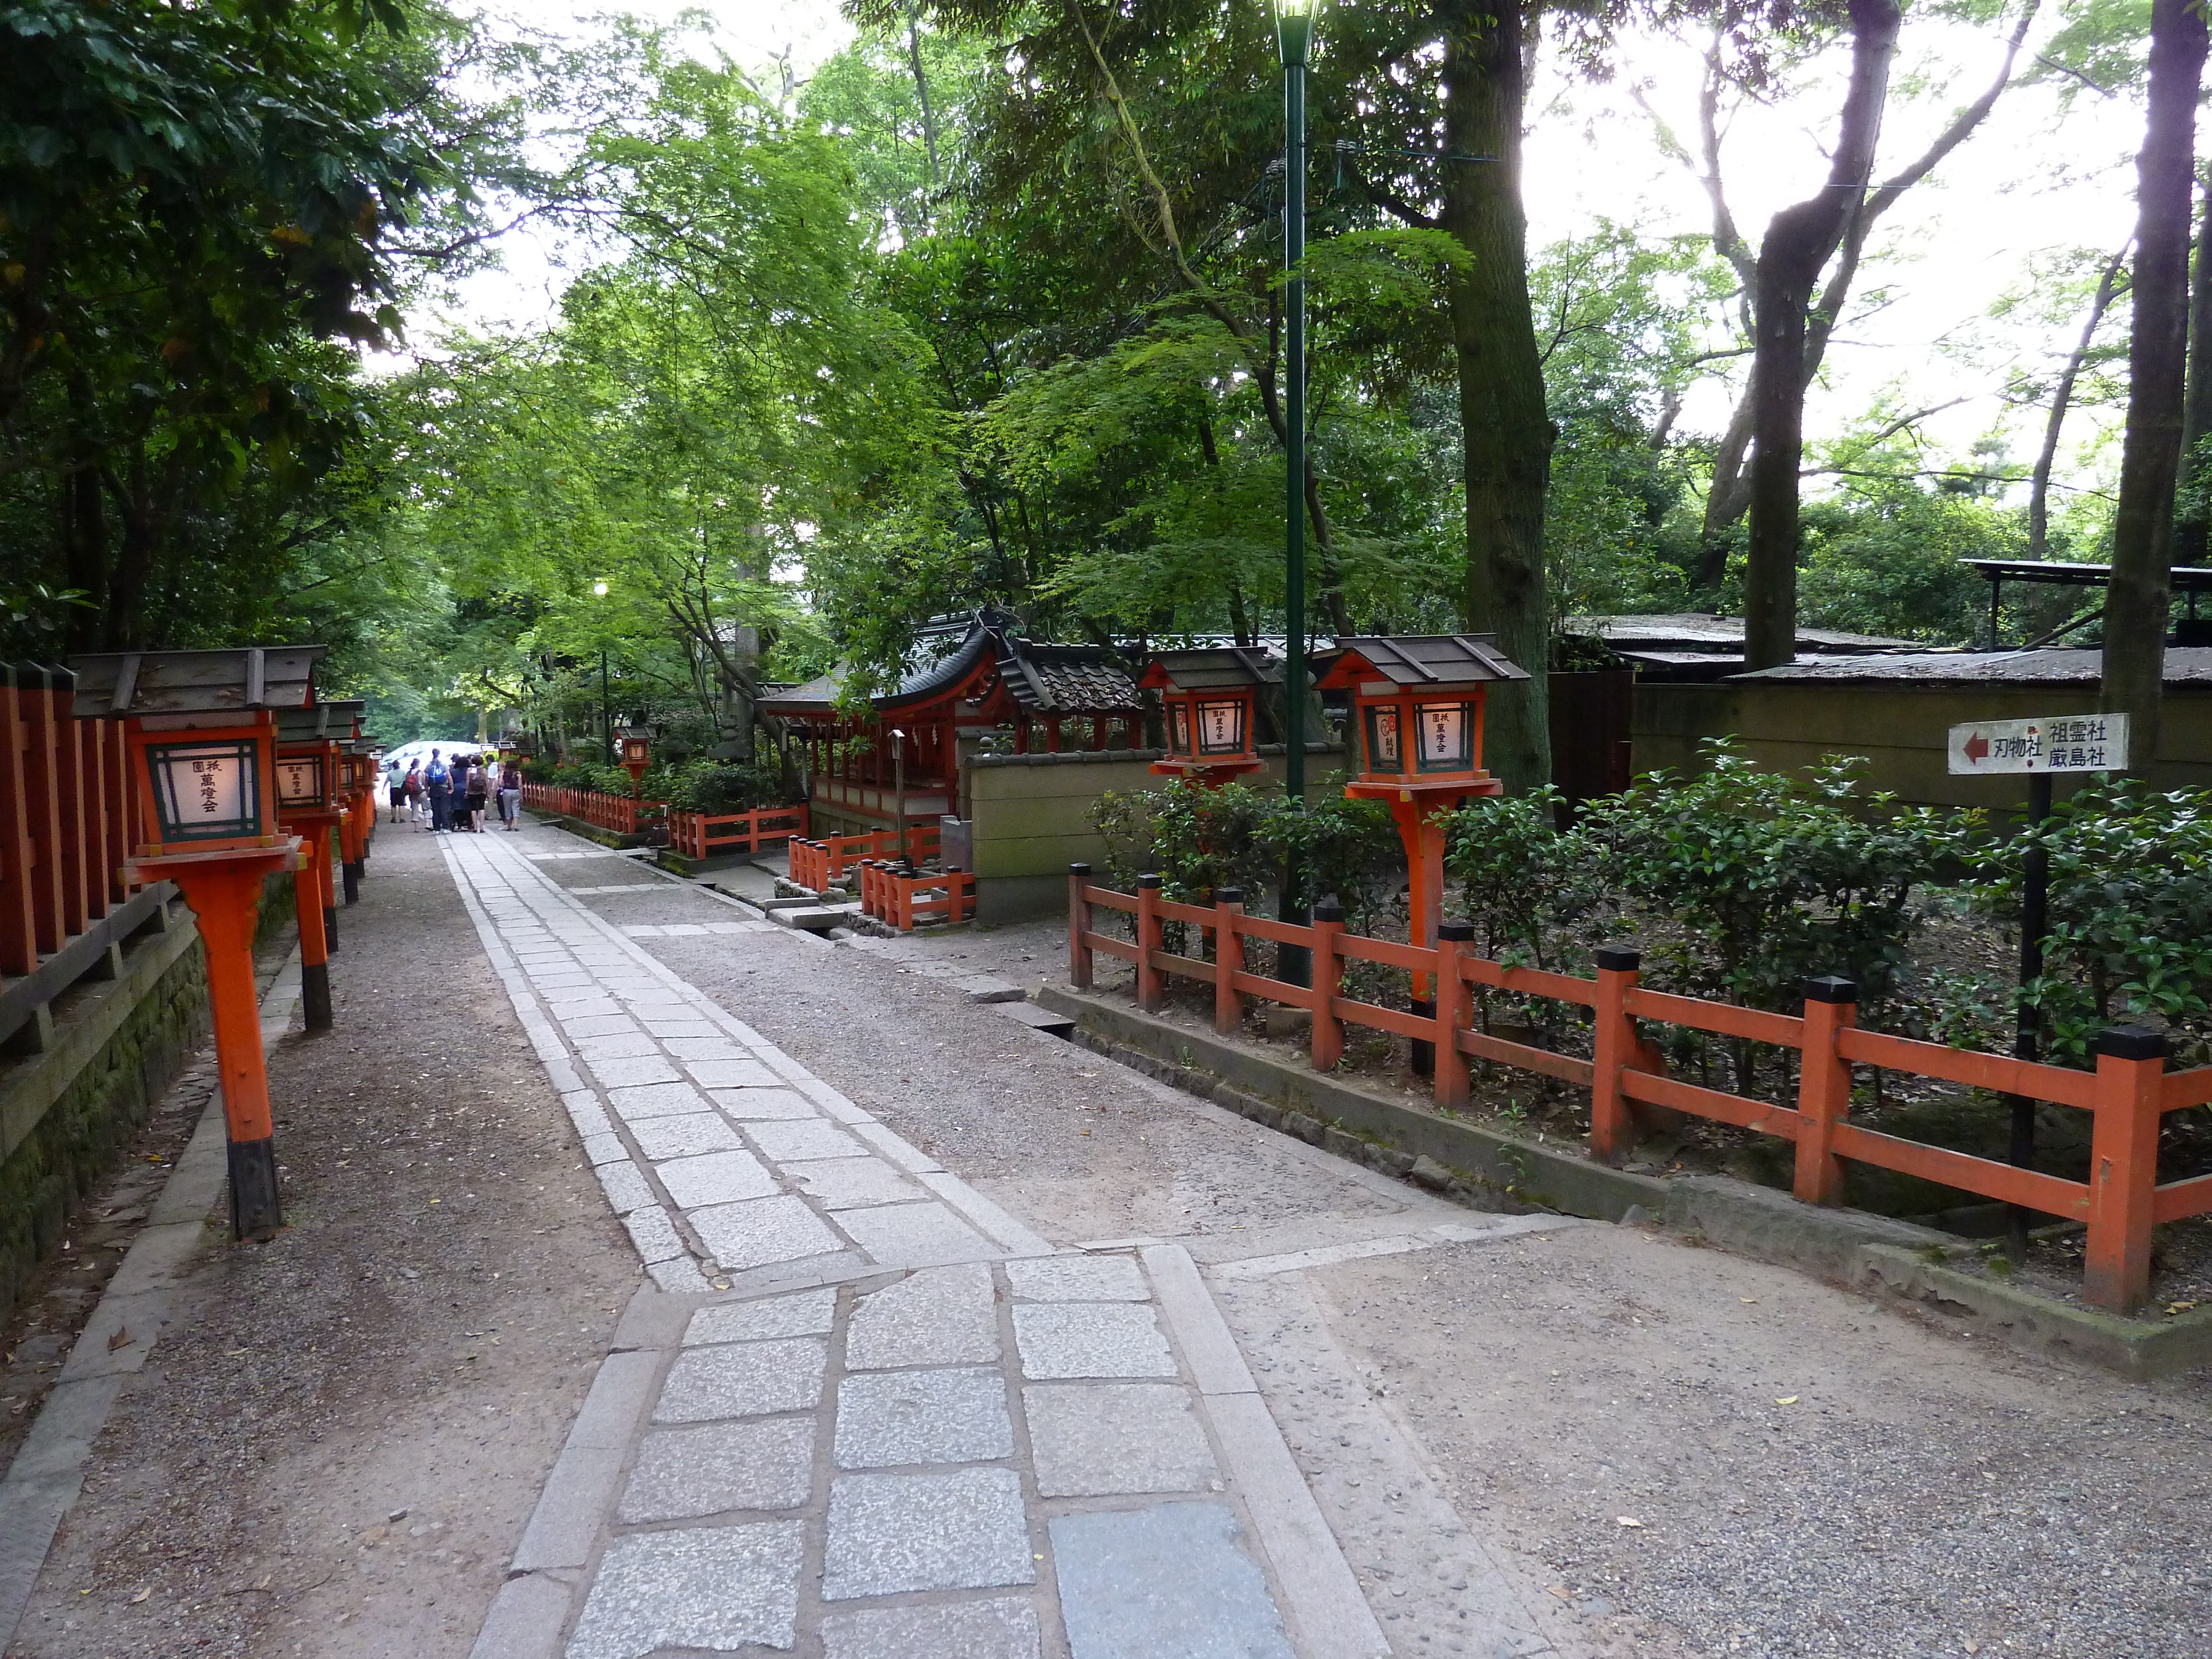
x: 221, y: 888
x: 1414, y: 808
x: 314, y: 831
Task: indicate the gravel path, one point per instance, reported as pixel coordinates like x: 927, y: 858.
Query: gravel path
x: 334, y: 1447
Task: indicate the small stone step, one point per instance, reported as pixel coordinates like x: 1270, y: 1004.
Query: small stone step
x: 1036, y: 1018
x: 986, y: 988
x: 818, y: 918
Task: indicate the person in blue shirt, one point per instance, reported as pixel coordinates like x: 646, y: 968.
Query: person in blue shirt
x: 439, y: 780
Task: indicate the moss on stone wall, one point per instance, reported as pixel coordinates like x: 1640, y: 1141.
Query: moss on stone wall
x: 88, y: 1126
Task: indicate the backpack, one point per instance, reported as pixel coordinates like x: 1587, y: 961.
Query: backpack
x: 437, y: 774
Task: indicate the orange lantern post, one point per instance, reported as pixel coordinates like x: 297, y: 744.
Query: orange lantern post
x: 202, y: 734
x: 636, y: 755
x: 310, y: 803
x: 1417, y: 702
x: 1211, y: 698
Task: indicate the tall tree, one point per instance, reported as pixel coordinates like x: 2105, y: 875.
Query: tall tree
x: 1798, y: 243
x: 1742, y: 59
x: 2136, y: 607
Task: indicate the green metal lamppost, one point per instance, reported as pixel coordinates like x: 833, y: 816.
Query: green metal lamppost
x: 606, y: 711
x: 1294, y: 30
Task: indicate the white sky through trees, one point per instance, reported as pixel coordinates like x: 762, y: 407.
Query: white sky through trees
x: 2031, y: 183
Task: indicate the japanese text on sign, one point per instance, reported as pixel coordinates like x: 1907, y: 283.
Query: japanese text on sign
x: 2062, y: 742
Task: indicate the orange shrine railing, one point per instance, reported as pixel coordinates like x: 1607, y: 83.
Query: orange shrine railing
x: 822, y: 862
x: 620, y: 813
x: 901, y: 897
x: 718, y: 835
x: 2127, y: 1096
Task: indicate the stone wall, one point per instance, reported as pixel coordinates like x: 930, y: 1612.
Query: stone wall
x: 1032, y: 816
x: 68, y: 1112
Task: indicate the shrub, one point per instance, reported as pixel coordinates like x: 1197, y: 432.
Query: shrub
x: 1758, y: 879
x: 2130, y: 913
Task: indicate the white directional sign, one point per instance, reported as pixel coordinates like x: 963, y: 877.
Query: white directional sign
x: 2064, y: 743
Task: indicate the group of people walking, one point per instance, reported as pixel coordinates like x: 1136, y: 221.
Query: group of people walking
x: 452, y: 795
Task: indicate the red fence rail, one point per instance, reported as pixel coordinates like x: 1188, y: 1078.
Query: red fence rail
x: 621, y: 813
x: 68, y: 802
x: 901, y: 897
x: 703, y: 834
x: 2127, y: 1095
x: 822, y: 863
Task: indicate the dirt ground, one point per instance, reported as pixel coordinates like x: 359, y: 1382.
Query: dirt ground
x: 1807, y: 1474
x: 334, y: 1445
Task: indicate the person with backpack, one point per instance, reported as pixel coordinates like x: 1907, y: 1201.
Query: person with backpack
x: 417, y: 802
x: 510, y: 792
x: 475, y: 792
x: 439, y: 783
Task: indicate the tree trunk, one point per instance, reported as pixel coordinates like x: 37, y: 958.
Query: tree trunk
x: 1507, y: 429
x: 2038, y: 485
x: 921, y: 92
x: 2192, y: 529
x: 1798, y: 243
x: 2143, y: 525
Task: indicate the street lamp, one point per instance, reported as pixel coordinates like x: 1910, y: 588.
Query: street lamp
x: 606, y: 717
x: 1294, y: 29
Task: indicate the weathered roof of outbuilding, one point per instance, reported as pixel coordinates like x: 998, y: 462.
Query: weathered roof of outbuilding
x: 2190, y: 666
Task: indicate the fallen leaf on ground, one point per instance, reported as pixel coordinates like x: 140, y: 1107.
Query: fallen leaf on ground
x: 141, y: 1595
x: 1630, y: 1521
x: 1751, y: 1301
x: 1562, y: 1592
x: 121, y: 1339
x: 2179, y: 1307
x: 1785, y: 1399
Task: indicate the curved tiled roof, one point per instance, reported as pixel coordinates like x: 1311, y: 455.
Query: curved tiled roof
x: 1045, y: 679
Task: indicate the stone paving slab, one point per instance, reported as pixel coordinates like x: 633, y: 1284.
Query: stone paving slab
x: 876, y: 1442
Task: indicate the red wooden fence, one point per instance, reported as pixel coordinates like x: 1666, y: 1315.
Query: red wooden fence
x: 899, y: 896
x: 68, y: 802
x: 2127, y: 1095
x: 823, y: 863
x: 620, y: 813
x: 703, y: 834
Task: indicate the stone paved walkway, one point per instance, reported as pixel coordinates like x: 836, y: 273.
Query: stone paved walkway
x: 871, y: 1413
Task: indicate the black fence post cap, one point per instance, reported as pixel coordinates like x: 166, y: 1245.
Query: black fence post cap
x: 1229, y: 896
x: 1148, y: 881
x: 1078, y: 869
x: 1832, y: 987
x: 1619, y: 959
x: 2132, y: 1042
x: 1454, y: 932
x: 1327, y: 909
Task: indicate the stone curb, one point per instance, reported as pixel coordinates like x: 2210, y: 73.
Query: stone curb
x: 1873, y: 1254
x: 2022, y: 1319
x: 42, y: 1484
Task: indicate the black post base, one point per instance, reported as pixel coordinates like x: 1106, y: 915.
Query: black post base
x: 315, y: 995
x: 352, y: 872
x: 1425, y: 1053
x: 254, y: 1211
x: 330, y: 929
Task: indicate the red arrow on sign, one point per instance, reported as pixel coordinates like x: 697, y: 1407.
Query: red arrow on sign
x: 1978, y: 748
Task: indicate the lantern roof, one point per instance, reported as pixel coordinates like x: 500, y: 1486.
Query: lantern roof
x: 1415, y: 661
x: 112, y: 685
x: 1212, y: 668
x: 331, y: 721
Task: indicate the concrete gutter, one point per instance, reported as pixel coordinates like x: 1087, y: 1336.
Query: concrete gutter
x: 1491, y: 1169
